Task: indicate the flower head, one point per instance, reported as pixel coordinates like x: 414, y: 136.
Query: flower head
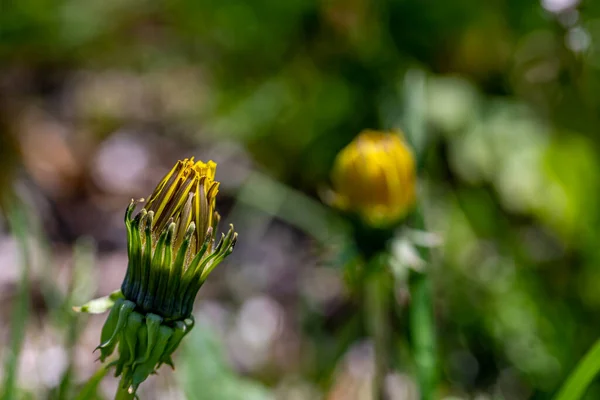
x: 171, y: 248
x: 374, y: 177
x: 171, y: 241
x: 187, y: 194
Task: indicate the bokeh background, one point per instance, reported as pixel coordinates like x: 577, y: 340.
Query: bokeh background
x: 500, y: 100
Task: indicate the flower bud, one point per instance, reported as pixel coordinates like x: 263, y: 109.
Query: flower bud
x: 374, y: 177
x: 171, y: 245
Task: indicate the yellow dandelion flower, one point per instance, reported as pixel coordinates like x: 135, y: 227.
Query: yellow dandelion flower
x: 374, y: 177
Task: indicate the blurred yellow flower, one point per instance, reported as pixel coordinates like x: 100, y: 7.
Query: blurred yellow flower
x: 374, y: 177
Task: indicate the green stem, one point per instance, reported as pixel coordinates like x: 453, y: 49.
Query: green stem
x: 585, y: 371
x: 377, y: 299
x: 123, y: 392
x: 422, y: 331
x: 422, y: 323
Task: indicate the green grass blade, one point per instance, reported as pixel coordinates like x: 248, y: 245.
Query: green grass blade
x: 20, y: 312
x: 82, y: 286
x: 581, y: 377
x: 90, y: 389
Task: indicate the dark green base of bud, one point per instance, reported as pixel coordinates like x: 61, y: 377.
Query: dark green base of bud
x: 145, y: 342
x: 370, y: 240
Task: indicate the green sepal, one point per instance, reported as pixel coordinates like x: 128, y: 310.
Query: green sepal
x: 169, y: 361
x: 190, y: 272
x: 107, y: 347
x: 224, y: 249
x: 177, y: 271
x: 162, y: 274
x: 179, y: 331
x: 146, y: 259
x: 216, y: 220
x: 199, y: 271
x: 119, y: 364
x: 135, y: 258
x: 110, y: 324
x: 134, y: 323
x: 154, y: 277
x: 153, y: 324
x: 130, y: 337
x: 141, y: 344
x: 128, y: 213
x: 108, y: 329
x: 142, y: 340
x: 143, y: 370
x: 180, y: 304
x: 133, y: 249
x: 192, y: 281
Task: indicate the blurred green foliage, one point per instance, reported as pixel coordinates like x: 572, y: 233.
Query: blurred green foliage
x: 209, y: 376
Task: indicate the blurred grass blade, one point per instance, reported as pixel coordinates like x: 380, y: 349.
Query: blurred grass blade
x: 579, y: 380
x: 276, y: 199
x: 17, y: 220
x: 415, y: 100
x: 90, y: 389
x: 82, y: 286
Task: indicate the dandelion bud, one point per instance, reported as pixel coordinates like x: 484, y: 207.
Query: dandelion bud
x: 171, y: 249
x: 374, y: 177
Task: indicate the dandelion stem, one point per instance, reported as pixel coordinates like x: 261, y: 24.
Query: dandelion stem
x: 123, y: 391
x: 377, y: 299
x: 422, y: 323
x: 423, y: 334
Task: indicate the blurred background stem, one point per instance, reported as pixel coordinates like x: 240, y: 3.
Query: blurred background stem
x: 377, y: 303
x: 423, y: 334
x: 422, y: 324
x: 18, y: 224
x: 81, y: 287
